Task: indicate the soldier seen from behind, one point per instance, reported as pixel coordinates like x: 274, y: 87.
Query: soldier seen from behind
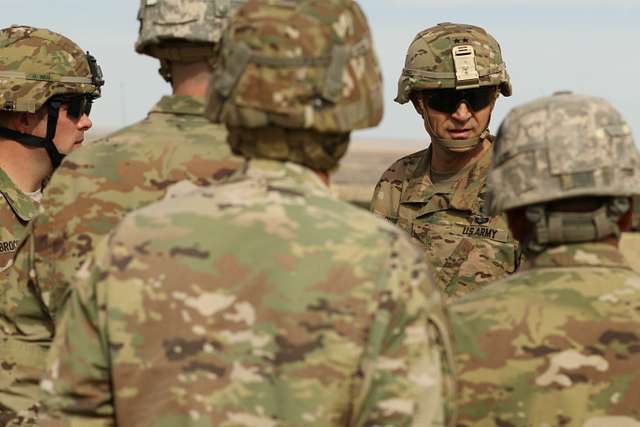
x: 452, y: 75
x: 267, y: 300
x: 47, y: 86
x: 559, y: 343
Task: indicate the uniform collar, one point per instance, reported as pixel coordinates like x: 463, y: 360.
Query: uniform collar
x: 288, y: 175
x: 464, y: 194
x: 579, y: 255
x: 178, y: 104
x: 24, y: 206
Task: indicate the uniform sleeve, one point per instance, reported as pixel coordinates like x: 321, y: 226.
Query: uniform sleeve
x: 386, y: 195
x: 26, y: 331
x: 81, y: 203
x: 407, y: 364
x: 76, y: 385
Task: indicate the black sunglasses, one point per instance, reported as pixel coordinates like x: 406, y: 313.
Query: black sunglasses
x: 447, y: 100
x: 77, y: 105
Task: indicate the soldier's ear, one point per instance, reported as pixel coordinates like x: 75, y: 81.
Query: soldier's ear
x: 26, y: 122
x: 21, y: 122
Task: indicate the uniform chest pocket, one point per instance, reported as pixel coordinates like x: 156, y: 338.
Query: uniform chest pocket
x: 466, y: 256
x: 438, y: 239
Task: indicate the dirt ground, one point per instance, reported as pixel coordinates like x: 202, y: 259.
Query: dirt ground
x: 359, y: 171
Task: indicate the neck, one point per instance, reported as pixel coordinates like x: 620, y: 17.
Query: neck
x: 190, y: 78
x: 324, y: 176
x: 27, y: 167
x: 447, y: 161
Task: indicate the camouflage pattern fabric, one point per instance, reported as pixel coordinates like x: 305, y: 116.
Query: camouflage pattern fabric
x: 37, y: 64
x: 16, y: 210
x: 630, y: 248
x: 89, y: 194
x: 430, y: 60
x: 561, y: 146
x: 182, y: 30
x: 252, y: 303
x: 467, y: 248
x: 312, y: 66
x: 556, y: 345
x: 630, y: 241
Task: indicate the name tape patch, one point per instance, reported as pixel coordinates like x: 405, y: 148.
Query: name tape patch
x: 484, y: 232
x: 8, y: 246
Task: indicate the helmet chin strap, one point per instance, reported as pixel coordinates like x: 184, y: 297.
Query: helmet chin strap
x: 38, y: 142
x: 448, y: 144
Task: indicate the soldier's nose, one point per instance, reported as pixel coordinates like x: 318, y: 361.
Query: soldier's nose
x: 462, y: 113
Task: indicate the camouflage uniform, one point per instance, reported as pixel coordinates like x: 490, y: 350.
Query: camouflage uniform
x: 39, y: 71
x: 97, y: 185
x: 558, y: 343
x: 630, y: 248
x: 92, y: 191
x: 192, y: 314
x: 88, y: 195
x: 16, y: 210
x: 468, y: 248
x: 253, y: 302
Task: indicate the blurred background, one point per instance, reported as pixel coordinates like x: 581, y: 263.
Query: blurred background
x: 588, y: 46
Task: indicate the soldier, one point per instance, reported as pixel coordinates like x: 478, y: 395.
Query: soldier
x: 47, y: 86
x: 96, y: 186
x: 559, y: 343
x: 452, y: 75
x: 266, y: 301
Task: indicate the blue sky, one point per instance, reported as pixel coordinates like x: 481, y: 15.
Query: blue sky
x: 588, y: 46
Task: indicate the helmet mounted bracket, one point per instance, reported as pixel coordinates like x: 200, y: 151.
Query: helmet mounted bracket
x: 464, y: 61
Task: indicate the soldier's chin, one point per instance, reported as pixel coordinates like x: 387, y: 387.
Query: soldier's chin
x: 462, y: 150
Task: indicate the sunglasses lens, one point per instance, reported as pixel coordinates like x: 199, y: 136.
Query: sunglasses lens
x: 447, y: 100
x: 444, y: 100
x: 79, y: 106
x: 481, y: 97
x: 87, y: 106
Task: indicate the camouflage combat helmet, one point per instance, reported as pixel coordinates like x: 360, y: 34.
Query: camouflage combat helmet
x: 304, y: 72
x: 39, y: 67
x: 561, y: 147
x: 453, y: 56
x: 182, y: 30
